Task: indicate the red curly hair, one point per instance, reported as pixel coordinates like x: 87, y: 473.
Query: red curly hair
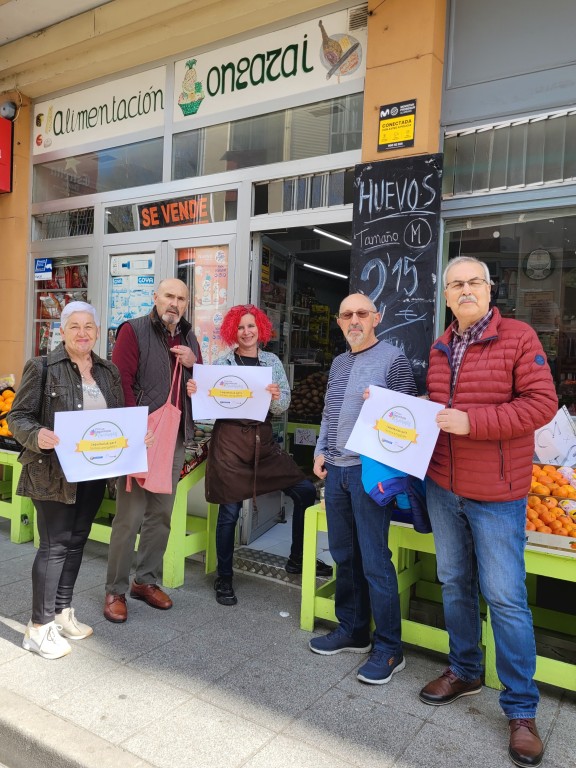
x: 229, y: 328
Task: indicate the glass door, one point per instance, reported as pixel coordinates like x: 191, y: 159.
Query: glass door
x: 205, y: 268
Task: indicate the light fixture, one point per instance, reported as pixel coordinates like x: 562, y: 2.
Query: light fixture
x: 331, y: 236
x: 325, y: 271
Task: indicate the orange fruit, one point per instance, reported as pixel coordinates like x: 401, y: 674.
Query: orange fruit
x: 547, y: 517
x: 545, y: 529
x: 531, y: 514
x: 561, y: 532
x: 548, y: 468
x: 555, y: 525
x: 540, y: 489
x: 533, y: 500
x: 531, y: 527
x: 549, y: 502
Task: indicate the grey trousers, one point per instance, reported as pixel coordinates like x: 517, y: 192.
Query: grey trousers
x: 149, y: 513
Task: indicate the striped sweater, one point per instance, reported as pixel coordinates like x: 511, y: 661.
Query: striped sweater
x: 382, y: 365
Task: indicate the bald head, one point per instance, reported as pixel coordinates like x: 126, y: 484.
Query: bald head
x: 171, y: 300
x: 358, y: 319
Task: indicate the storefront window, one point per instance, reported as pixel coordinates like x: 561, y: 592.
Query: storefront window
x: 117, y: 168
x: 532, y: 261
x: 311, y: 130
x: 202, y: 208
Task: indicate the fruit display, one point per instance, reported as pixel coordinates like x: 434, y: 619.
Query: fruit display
x: 551, y: 505
x: 308, y: 398
x: 6, y: 397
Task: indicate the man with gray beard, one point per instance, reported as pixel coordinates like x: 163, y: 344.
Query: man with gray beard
x: 146, y: 352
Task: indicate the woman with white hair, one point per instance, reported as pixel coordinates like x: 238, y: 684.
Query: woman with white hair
x: 70, y: 378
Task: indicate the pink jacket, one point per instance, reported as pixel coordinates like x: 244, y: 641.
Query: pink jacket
x: 506, y: 387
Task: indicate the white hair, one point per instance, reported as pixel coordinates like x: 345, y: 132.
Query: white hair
x: 462, y: 260
x: 78, y: 306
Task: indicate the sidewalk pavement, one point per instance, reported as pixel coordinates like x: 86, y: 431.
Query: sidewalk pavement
x: 209, y: 686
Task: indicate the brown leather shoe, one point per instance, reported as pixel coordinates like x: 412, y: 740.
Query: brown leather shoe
x: 115, y: 609
x: 447, y: 688
x: 151, y: 594
x: 526, y: 748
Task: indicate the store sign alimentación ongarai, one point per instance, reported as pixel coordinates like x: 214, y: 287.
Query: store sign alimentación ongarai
x: 318, y: 54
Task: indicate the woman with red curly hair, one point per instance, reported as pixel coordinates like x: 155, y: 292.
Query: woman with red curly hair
x: 244, y: 460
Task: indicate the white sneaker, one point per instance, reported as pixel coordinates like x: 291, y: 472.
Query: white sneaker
x: 69, y: 626
x: 45, y: 641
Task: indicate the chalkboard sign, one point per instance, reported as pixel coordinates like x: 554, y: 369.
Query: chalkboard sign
x: 395, y: 250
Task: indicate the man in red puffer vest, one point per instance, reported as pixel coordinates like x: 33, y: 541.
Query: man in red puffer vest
x: 492, y: 376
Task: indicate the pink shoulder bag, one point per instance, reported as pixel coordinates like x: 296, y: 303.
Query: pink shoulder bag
x: 164, y: 423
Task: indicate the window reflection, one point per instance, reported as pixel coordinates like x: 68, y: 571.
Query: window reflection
x: 109, y: 169
x: 311, y: 130
x: 532, y: 261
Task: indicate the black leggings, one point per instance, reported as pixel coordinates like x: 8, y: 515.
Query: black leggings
x: 64, y: 530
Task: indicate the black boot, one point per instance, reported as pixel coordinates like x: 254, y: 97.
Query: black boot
x: 294, y: 565
x: 225, y: 591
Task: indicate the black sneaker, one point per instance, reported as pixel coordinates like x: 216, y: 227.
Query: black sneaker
x: 225, y: 591
x: 294, y: 565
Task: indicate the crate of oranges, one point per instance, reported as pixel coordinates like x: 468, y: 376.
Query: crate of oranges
x: 7, y: 442
x: 551, y: 507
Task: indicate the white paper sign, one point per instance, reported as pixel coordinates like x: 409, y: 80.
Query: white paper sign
x: 555, y: 443
x: 396, y: 429
x: 304, y: 436
x: 231, y: 392
x: 102, y: 443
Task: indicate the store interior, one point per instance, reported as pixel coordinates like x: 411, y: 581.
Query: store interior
x: 304, y: 277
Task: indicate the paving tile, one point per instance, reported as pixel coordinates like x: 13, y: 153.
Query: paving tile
x: 356, y: 730
x: 189, y: 662
x: 198, y: 735
x: 561, y: 738
x: 119, y: 703
x: 265, y: 693
x: 439, y: 747
x: 274, y: 755
x: 16, y: 597
x: 43, y: 681
x: 10, y: 644
x: 143, y: 631
x: 16, y: 569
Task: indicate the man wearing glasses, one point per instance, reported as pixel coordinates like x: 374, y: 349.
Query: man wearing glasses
x: 366, y: 582
x: 491, y: 375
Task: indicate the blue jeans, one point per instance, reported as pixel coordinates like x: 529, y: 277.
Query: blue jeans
x: 303, y: 495
x: 480, y: 545
x: 365, y: 575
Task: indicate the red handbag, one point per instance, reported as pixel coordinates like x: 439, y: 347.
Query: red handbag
x: 164, y: 423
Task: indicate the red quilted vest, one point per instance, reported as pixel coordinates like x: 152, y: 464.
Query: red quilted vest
x: 506, y: 387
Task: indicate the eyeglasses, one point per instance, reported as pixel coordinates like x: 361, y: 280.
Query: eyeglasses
x: 361, y: 313
x: 475, y: 282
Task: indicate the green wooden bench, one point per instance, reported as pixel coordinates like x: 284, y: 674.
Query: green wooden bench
x: 413, y: 555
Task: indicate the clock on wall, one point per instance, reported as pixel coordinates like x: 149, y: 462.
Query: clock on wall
x: 538, y: 264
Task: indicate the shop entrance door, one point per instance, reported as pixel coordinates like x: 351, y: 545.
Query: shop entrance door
x: 271, y: 290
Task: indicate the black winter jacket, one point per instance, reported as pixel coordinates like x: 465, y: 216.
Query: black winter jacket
x: 34, y: 407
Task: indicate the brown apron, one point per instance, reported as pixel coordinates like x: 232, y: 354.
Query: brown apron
x: 245, y: 461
